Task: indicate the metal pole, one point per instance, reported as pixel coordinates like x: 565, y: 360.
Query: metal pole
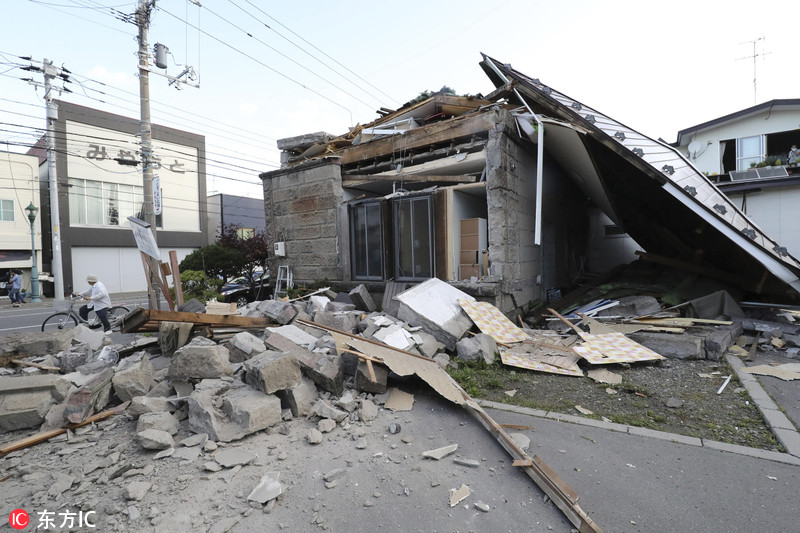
x: 34, y: 270
x: 143, y: 21
x: 55, y: 226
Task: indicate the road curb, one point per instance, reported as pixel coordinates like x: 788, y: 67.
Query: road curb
x: 758, y: 453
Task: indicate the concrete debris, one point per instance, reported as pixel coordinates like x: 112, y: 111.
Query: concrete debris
x: 25, y: 400
x: 479, y: 346
x: 367, y: 411
x: 154, y: 439
x: 472, y: 463
x: 173, y: 335
x: 160, y: 421
x: 440, y: 453
x: 243, y: 346
x: 134, y: 377
x: 361, y: 299
x: 272, y: 371
x: 93, y: 338
x: 200, y: 359
x: 521, y: 440
x: 364, y: 381
x: 326, y: 425
x: 314, y: 436
x: 300, y: 398
x: 267, y: 489
x: 137, y: 490
x: 89, y: 399
x: 324, y: 409
x: 233, y: 457
x: 458, y: 495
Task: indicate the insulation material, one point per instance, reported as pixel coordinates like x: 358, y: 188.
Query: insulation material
x: 491, y: 321
x: 566, y: 364
x: 613, y: 348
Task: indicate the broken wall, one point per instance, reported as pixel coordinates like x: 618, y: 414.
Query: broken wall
x: 301, y: 207
x: 515, y: 262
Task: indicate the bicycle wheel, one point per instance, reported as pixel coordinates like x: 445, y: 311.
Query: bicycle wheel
x: 58, y: 321
x: 115, y: 315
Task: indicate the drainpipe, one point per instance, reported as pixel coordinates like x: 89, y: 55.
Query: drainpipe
x: 537, y: 232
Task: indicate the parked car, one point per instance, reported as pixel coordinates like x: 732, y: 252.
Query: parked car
x: 241, y: 291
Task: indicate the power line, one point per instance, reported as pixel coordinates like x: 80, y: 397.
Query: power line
x: 318, y: 50
x: 279, y: 73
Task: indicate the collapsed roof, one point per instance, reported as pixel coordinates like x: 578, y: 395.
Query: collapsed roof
x: 648, y: 188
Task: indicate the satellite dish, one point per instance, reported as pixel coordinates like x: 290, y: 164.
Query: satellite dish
x: 694, y: 147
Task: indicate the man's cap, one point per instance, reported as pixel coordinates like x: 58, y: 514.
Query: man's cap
x: 91, y: 278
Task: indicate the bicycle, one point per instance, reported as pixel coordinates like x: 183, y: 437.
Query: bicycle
x: 70, y: 318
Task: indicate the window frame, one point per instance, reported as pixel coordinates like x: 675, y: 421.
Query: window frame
x: 431, y: 240
x: 7, y: 210
x: 354, y: 252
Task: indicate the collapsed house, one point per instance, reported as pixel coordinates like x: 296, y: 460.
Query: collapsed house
x: 501, y: 196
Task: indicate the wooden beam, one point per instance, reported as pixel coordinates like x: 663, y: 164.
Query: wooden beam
x: 140, y: 316
x: 435, y: 133
x: 354, y: 180
x: 176, y: 277
x: 47, y: 435
x: 501, y: 92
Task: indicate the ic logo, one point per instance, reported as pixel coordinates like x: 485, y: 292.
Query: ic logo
x: 18, y: 519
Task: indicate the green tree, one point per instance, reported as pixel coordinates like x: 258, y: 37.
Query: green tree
x: 216, y: 260
x: 254, y: 249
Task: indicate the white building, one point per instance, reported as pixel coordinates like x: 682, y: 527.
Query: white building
x: 19, y: 188
x: 727, y: 148
x: 100, y: 185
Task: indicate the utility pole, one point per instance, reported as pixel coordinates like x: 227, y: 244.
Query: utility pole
x: 143, y: 22
x: 55, y: 218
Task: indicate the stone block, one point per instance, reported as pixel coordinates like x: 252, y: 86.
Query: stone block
x: 160, y: 421
x: 293, y: 334
x: 174, y: 335
x: 684, y: 346
x: 299, y: 399
x: 38, y: 343
x: 361, y: 299
x: 364, y: 383
x: 326, y: 371
x: 339, y: 307
x: 73, y: 358
x: 324, y: 409
x: 243, y: 346
x: 427, y: 343
x: 135, y: 379
x: 89, y: 399
x: 24, y: 409
x: 154, y: 439
x: 91, y: 337
x: 317, y: 303
x: 200, y: 360
x: 272, y: 371
x: 251, y: 410
x: 277, y: 311
x: 434, y: 305
x: 480, y: 346
x: 346, y: 321
x: 149, y: 404
x: 367, y: 411
x: 717, y: 341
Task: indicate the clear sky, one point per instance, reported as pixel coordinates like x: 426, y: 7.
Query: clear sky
x: 274, y: 69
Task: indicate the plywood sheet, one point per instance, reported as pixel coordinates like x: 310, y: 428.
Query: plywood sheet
x: 613, y: 347
x: 491, y: 321
x: 540, y: 363
x: 404, y: 365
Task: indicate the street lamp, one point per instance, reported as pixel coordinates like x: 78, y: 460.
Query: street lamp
x: 32, y: 209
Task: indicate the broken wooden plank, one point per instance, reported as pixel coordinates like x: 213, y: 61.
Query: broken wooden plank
x: 445, y: 131
x: 522, y: 462
x: 140, y: 316
x: 47, y: 435
x: 35, y: 365
x: 354, y: 180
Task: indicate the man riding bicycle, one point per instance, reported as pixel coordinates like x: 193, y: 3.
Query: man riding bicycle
x: 100, y: 300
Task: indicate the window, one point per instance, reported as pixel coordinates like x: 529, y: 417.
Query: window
x: 245, y: 233
x: 97, y: 203
x: 413, y: 238
x: 749, y: 150
x: 7, y: 210
x: 366, y: 241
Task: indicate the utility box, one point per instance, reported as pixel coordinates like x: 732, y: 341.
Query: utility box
x: 280, y: 249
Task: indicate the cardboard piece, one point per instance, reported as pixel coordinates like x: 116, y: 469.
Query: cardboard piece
x: 399, y: 401
x: 787, y: 372
x: 566, y: 365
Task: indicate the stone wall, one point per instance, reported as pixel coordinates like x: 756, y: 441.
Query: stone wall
x: 301, y: 206
x: 510, y: 196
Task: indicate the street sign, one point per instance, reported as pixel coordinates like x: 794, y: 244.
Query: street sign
x: 156, y: 195
x: 145, y: 240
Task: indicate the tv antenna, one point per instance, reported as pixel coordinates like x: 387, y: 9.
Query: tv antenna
x: 754, y: 56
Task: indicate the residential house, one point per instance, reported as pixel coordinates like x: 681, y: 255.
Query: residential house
x: 746, y: 155
x: 228, y: 209
x: 501, y: 195
x: 19, y: 188
x: 100, y: 186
